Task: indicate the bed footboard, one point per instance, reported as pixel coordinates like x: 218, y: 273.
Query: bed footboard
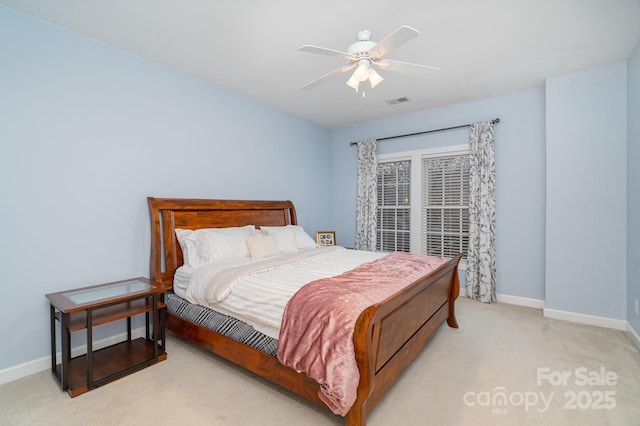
x: 389, y: 335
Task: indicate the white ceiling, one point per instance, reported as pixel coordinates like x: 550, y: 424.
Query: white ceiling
x: 484, y: 47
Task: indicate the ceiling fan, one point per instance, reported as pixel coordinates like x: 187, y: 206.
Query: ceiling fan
x: 366, y: 54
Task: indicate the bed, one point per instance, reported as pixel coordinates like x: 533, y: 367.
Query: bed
x: 387, y: 335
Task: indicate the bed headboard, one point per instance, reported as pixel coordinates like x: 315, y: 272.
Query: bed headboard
x: 167, y: 214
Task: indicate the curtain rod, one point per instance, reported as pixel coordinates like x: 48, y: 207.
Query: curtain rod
x: 494, y: 121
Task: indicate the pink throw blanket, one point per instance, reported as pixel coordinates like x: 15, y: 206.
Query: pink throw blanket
x: 316, y: 336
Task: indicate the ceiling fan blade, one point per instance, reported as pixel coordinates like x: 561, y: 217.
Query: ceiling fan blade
x: 325, y: 51
x: 327, y: 76
x: 395, y: 39
x: 417, y: 70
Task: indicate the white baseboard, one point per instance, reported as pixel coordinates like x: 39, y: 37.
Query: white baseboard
x: 633, y: 335
x: 585, y: 319
x: 28, y: 368
x: 571, y: 316
x: 520, y: 301
x: 23, y: 370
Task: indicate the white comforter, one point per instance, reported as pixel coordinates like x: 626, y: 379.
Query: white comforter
x: 257, y: 291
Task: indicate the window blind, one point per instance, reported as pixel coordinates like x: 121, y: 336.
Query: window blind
x: 445, y: 205
x: 394, y: 209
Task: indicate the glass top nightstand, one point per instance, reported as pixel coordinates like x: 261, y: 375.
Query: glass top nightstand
x: 88, y: 307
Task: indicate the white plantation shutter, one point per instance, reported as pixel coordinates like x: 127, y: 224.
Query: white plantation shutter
x: 394, y: 206
x: 445, y: 205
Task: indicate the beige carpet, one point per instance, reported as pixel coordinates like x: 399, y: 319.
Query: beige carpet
x: 499, y: 350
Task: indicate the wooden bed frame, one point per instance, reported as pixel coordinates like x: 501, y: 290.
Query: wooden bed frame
x: 387, y: 337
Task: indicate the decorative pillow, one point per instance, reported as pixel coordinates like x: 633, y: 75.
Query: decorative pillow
x: 303, y: 240
x: 286, y: 239
x: 262, y: 246
x: 208, y: 244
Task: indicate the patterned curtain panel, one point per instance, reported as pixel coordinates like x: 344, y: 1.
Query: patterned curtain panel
x: 481, y: 255
x: 367, y: 199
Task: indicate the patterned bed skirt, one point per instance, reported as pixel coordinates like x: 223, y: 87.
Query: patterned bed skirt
x: 220, y: 323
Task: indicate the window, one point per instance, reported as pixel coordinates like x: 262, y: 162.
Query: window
x: 394, y: 209
x: 445, y: 205
x: 431, y: 198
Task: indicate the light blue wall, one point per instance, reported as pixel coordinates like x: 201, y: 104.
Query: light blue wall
x: 520, y: 176
x: 87, y: 132
x: 633, y: 190
x: 586, y: 191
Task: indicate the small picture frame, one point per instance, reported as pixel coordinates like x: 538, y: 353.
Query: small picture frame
x: 326, y: 238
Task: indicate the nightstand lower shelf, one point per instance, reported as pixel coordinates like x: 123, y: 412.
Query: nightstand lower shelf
x: 117, y: 361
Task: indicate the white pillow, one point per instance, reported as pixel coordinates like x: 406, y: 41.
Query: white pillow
x: 262, y: 246
x: 208, y: 244
x: 286, y: 240
x: 181, y: 235
x: 303, y: 240
x: 214, y: 245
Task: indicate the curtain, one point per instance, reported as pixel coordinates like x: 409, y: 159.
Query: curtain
x: 481, y: 255
x: 367, y: 198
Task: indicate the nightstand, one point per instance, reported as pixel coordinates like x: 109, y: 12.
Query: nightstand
x: 88, y: 307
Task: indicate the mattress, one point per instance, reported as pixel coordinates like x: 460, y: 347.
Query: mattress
x: 220, y: 323
x: 259, y: 298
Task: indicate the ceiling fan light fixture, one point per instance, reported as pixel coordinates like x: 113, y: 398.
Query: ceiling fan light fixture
x: 353, y: 82
x: 362, y: 71
x: 374, y: 78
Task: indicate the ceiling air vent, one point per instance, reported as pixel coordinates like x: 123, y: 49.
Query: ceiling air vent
x: 398, y: 100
